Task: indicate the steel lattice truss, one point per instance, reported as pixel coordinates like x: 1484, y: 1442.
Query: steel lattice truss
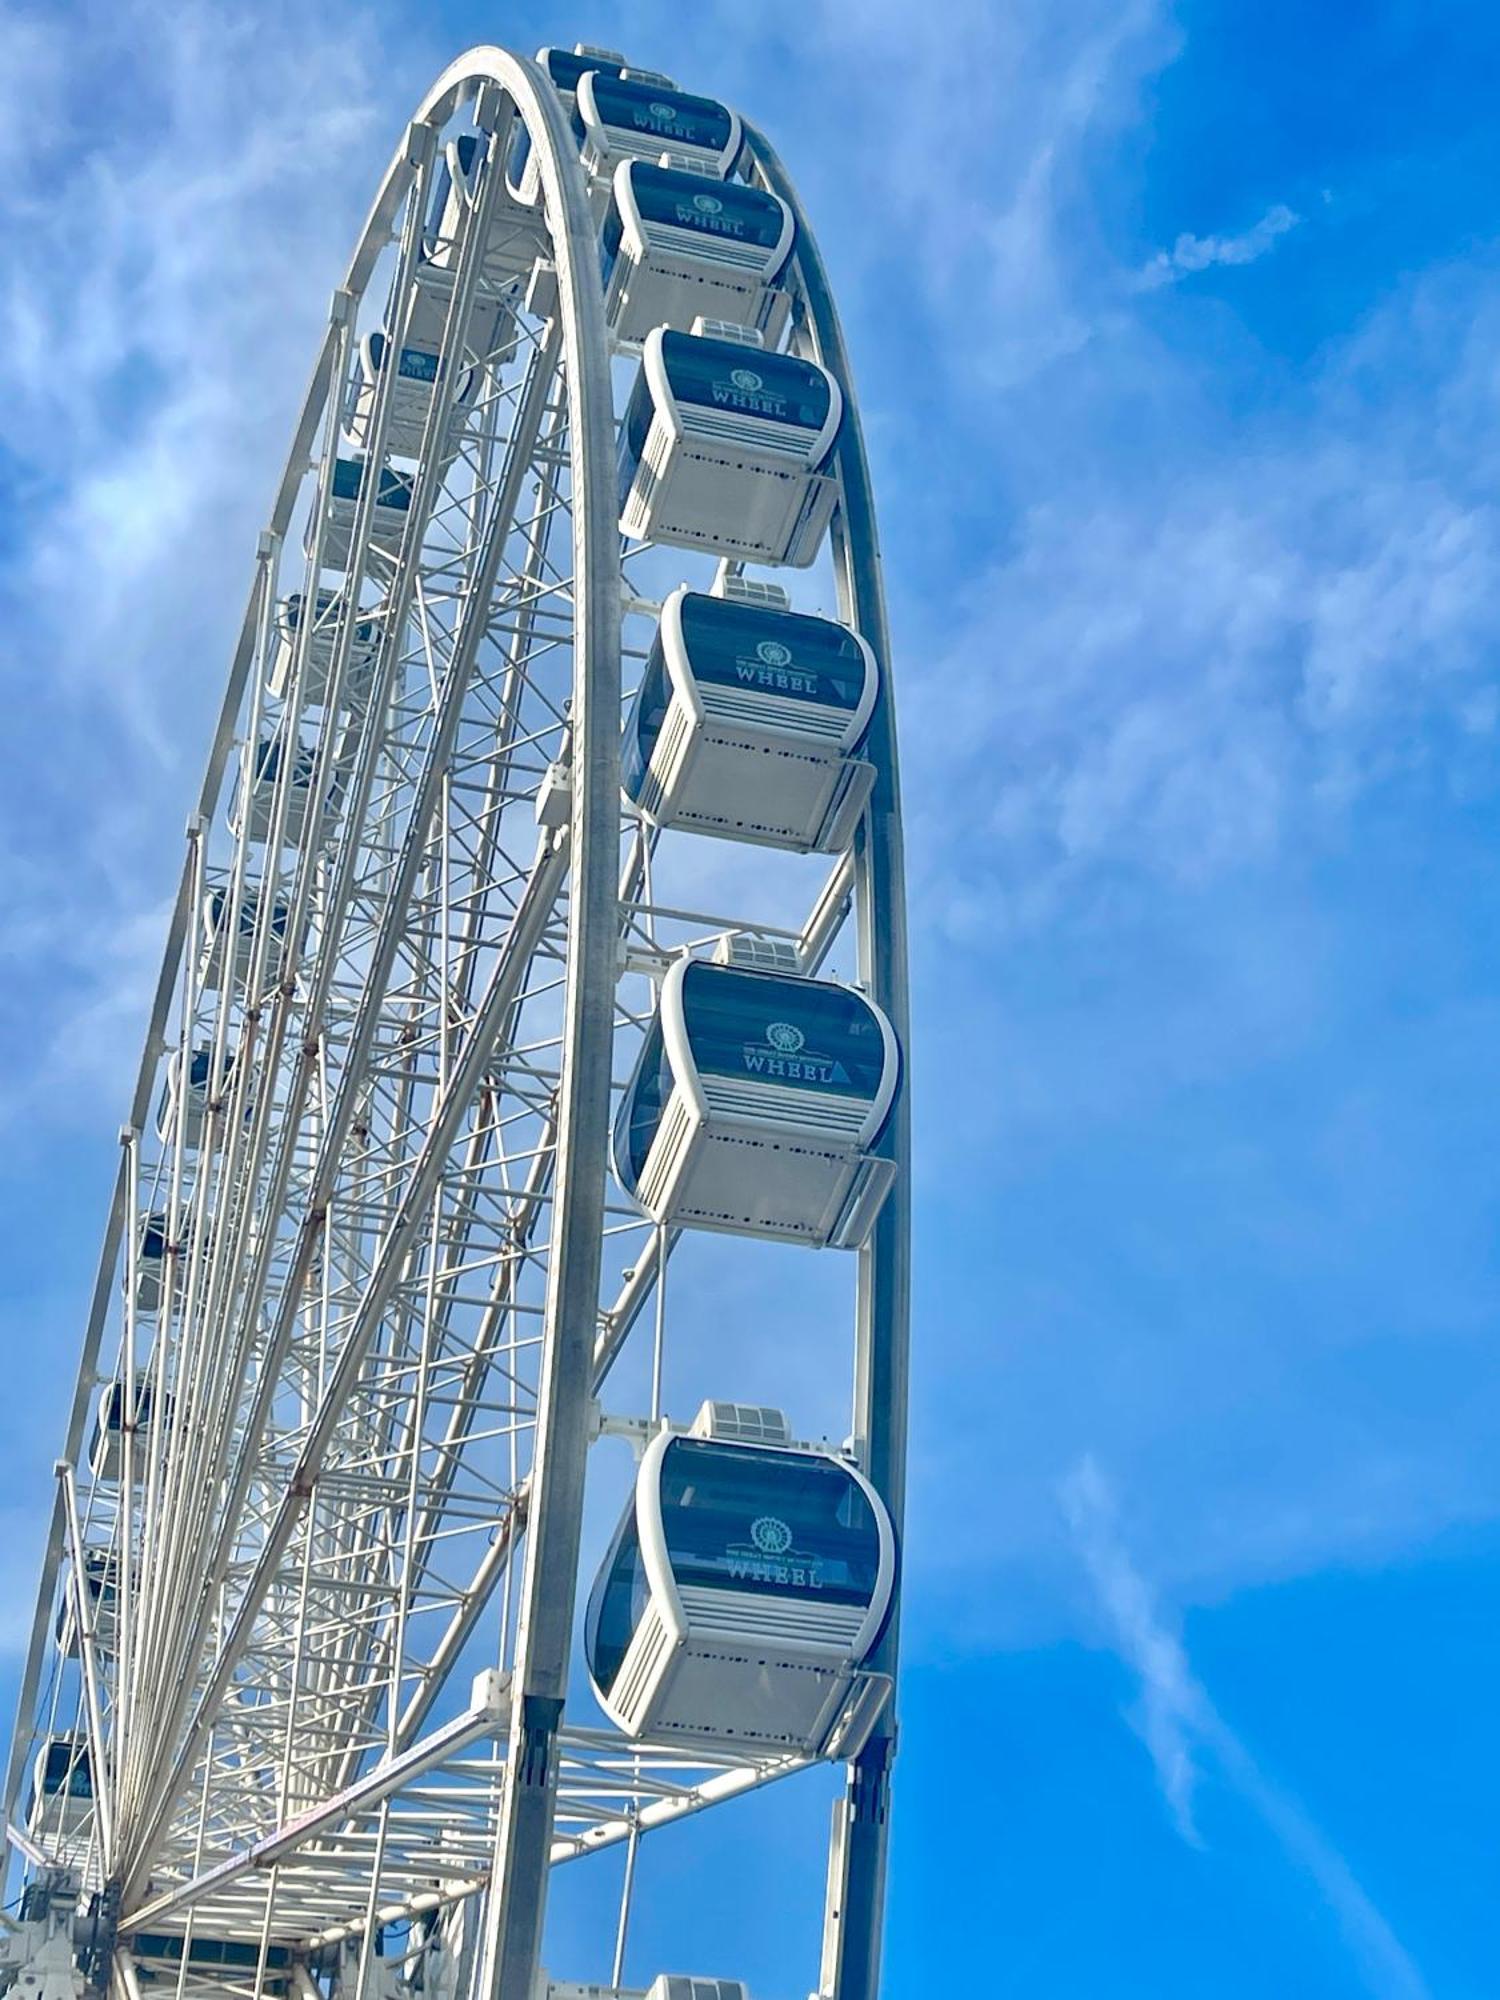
x: 323, y: 1520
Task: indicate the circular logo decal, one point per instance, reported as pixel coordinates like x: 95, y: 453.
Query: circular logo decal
x: 773, y: 653
x: 745, y: 378
x: 771, y: 1535
x: 786, y: 1037
x: 668, y: 111
x: 708, y: 204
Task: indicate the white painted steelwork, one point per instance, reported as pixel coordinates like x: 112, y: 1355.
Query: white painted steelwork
x: 364, y: 1276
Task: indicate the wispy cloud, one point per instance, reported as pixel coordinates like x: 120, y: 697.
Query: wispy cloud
x: 157, y: 346
x: 1180, y: 657
x: 156, y: 350
x: 1185, y: 1733
x: 1190, y: 254
x: 1174, y: 1712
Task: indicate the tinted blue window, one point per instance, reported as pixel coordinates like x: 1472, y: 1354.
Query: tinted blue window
x: 325, y: 616
x: 418, y: 364
x: 101, y: 1573
x: 268, y: 762
x: 797, y: 1032
x: 394, y: 489
x: 565, y: 68
x: 442, y: 186
x: 153, y: 1237
x: 112, y: 1410
x: 669, y: 115
x: 640, y: 1108
x: 725, y: 208
x: 249, y: 905
x: 291, y: 610
x: 67, y: 1769
x: 617, y: 1604
x: 609, y: 242
x: 725, y: 376
x: 779, y: 1524
x: 634, y: 431
x: 520, y: 153
x: 202, y: 1066
x: 647, y: 714
x: 782, y: 652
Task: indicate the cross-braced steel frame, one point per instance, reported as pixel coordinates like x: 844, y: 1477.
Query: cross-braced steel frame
x: 357, y: 1376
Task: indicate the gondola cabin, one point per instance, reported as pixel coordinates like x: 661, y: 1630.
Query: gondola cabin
x: 319, y: 647
x: 618, y: 118
x: 411, y: 399
x: 101, y: 1589
x: 515, y: 240
x: 743, y: 1590
x: 185, y: 1095
x: 726, y: 447
x: 61, y: 1804
x: 220, y: 949
x: 564, y: 67
x: 106, y: 1456
x: 755, y: 1104
x: 272, y: 771
x: 150, y: 1262
x: 388, y: 517
x: 515, y: 237
x: 676, y: 249
x: 747, y: 724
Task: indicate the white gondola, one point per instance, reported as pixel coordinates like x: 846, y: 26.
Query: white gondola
x: 388, y: 517
x: 61, y: 1805
x: 755, y: 1104
x: 266, y: 774
x: 101, y: 1589
x: 106, y: 1458
x: 185, y: 1096
x: 744, y: 1588
x: 675, y: 250
x: 618, y: 118
x: 411, y: 399
x: 364, y: 652
x: 217, y: 921
x: 724, y: 447
x: 747, y: 723
x: 515, y: 239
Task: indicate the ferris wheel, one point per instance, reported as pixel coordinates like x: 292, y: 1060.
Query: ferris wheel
x: 539, y: 929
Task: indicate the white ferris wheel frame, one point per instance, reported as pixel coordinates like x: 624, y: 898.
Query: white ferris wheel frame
x: 522, y: 1725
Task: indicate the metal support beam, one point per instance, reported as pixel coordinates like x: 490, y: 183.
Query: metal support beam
x: 857, y: 1863
x: 513, y: 1919
x: 484, y: 1719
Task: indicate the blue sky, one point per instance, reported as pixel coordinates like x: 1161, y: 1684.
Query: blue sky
x: 1176, y: 331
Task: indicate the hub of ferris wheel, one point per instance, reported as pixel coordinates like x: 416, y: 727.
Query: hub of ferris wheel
x: 539, y: 932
